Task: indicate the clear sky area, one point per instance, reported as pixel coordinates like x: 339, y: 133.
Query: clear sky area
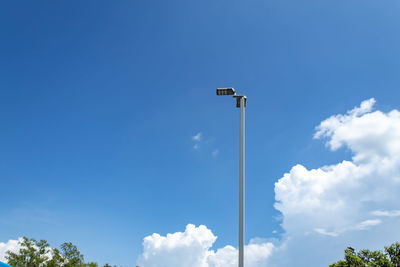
x: 110, y: 129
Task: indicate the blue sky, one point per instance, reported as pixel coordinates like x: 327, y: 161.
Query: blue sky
x: 99, y: 102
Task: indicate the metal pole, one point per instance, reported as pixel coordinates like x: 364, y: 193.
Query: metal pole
x: 241, y: 183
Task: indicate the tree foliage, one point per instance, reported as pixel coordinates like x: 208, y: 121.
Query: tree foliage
x: 32, y: 253
x: 35, y: 253
x: 367, y: 258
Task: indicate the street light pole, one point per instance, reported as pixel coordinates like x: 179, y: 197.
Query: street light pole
x: 240, y: 103
x: 241, y: 183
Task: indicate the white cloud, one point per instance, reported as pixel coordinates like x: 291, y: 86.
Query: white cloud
x: 324, y: 232
x: 189, y: 248
x: 367, y: 224
x: 340, y: 202
x: 386, y: 213
x: 256, y: 255
x: 193, y: 248
x: 196, y: 146
x: 197, y: 137
x: 11, y: 245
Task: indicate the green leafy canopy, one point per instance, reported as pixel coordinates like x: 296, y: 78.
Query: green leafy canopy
x: 33, y: 253
x: 367, y: 258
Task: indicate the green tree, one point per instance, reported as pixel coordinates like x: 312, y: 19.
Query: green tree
x: 39, y: 254
x: 393, y: 251
x: 367, y: 258
x: 56, y: 259
x: 31, y: 253
x: 71, y: 255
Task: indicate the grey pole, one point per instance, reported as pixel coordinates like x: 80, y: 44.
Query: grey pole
x: 240, y: 103
x: 241, y: 182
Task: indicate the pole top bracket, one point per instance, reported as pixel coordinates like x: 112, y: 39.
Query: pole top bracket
x: 238, y: 97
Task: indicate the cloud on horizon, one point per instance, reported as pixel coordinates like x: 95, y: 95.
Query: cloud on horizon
x: 193, y: 248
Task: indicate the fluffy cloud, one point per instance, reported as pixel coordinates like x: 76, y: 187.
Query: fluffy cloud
x: 350, y: 202
x: 189, y: 248
x: 11, y: 245
x: 193, y: 248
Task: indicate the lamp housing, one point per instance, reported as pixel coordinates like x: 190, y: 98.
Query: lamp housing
x: 226, y: 91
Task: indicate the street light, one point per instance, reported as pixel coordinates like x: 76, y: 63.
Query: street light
x: 240, y: 103
x: 226, y: 91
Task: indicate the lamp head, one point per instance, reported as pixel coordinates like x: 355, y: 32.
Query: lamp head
x: 226, y: 91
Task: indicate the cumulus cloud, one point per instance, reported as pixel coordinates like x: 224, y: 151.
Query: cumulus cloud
x: 11, y: 245
x: 193, y: 248
x: 340, y: 201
